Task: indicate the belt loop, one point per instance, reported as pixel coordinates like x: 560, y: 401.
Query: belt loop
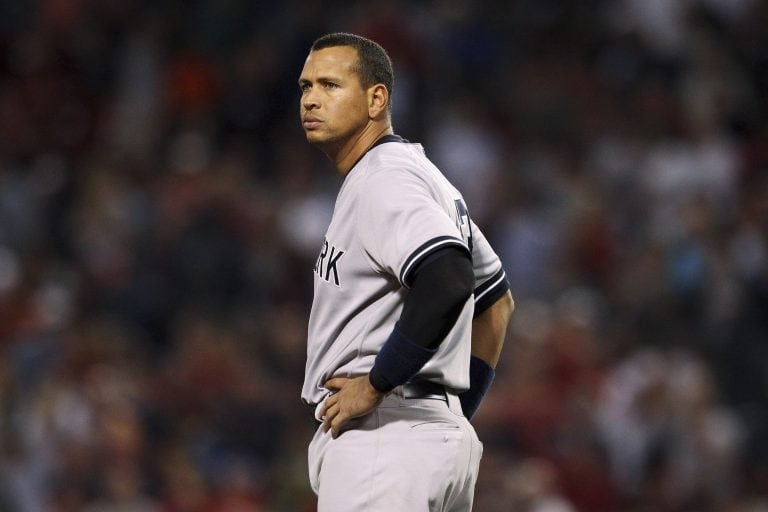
x: 454, y: 404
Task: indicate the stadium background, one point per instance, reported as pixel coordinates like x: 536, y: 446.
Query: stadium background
x: 160, y: 212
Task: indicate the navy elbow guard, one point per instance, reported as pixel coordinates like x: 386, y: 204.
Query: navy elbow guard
x: 481, y: 376
x: 398, y: 361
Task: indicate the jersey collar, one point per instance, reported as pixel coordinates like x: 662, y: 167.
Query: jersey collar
x: 381, y: 140
x: 387, y: 138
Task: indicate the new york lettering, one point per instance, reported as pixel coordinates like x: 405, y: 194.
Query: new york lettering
x: 325, y: 267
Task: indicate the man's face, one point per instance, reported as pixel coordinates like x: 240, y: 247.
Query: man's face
x: 334, y: 105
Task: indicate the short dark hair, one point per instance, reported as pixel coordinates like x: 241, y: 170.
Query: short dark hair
x: 373, y: 63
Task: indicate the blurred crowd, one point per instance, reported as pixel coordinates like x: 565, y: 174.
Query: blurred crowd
x: 160, y: 212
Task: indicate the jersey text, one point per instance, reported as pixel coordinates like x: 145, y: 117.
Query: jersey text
x: 327, y: 261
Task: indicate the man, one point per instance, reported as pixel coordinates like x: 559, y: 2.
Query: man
x: 395, y: 362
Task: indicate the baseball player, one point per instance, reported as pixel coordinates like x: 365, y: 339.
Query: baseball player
x: 410, y: 304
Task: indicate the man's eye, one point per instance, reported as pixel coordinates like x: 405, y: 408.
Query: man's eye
x: 331, y: 85
x: 304, y: 87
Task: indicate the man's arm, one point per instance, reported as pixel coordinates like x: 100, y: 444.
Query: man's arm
x: 489, y: 330
x: 441, y: 285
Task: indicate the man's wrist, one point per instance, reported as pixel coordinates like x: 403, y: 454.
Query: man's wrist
x: 380, y: 391
x: 481, y: 375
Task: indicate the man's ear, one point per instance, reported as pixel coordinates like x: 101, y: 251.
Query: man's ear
x: 378, y: 101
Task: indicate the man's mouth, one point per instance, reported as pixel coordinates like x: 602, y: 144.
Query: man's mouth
x: 311, y: 122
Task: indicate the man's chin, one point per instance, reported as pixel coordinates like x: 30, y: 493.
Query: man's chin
x: 314, y: 137
x: 319, y: 140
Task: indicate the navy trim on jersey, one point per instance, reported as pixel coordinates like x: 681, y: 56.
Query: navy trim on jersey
x: 388, y: 138
x: 381, y: 140
x: 490, y: 291
x: 424, y: 250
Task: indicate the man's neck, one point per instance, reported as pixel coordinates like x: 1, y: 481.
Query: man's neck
x: 356, y: 147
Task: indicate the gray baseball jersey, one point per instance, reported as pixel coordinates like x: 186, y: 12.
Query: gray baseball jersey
x: 393, y: 210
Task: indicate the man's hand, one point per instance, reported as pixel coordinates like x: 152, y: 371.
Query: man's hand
x: 354, y: 398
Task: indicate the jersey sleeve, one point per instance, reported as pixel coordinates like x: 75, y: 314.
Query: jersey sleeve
x: 490, y: 280
x: 400, y: 223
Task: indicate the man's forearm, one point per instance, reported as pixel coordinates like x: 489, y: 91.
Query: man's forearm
x: 489, y: 330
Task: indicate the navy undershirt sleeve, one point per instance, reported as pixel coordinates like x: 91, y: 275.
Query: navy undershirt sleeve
x: 441, y: 285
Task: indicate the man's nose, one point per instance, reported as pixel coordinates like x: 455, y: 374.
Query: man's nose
x: 309, y: 100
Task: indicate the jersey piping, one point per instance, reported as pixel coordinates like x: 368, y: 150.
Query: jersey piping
x: 490, y: 291
x: 417, y: 256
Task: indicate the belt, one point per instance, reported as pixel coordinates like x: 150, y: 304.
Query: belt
x: 424, y: 389
x: 420, y: 389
